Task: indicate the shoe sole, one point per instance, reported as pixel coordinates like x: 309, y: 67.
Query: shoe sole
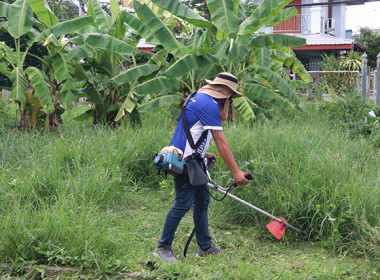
x: 158, y: 256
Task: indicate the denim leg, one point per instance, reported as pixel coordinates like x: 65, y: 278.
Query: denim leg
x: 200, y: 217
x: 184, y: 198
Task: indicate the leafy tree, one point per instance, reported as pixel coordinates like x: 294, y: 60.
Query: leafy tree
x: 101, y: 52
x: 229, y: 42
x: 37, y: 88
x: 352, y: 62
x: 370, y: 39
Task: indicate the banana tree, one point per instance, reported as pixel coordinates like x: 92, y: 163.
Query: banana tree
x: 102, y: 52
x: 229, y: 42
x: 38, y: 90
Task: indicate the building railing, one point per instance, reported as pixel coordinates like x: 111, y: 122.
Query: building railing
x: 296, y: 24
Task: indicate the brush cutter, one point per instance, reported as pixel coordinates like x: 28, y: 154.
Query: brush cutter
x: 276, y: 227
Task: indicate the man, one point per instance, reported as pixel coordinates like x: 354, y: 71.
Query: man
x: 204, y: 111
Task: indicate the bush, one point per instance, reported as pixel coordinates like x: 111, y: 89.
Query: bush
x: 353, y: 115
x: 340, y: 84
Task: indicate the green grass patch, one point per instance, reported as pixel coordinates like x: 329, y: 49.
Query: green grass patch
x: 91, y: 198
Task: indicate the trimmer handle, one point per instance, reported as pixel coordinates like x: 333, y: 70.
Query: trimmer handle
x: 210, y: 164
x: 248, y: 175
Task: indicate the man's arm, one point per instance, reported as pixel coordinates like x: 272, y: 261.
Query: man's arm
x: 226, y: 154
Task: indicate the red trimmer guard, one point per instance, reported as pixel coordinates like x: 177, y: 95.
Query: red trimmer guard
x: 276, y: 228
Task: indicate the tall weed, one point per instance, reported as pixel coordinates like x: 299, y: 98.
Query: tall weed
x: 71, y: 199
x: 316, y: 176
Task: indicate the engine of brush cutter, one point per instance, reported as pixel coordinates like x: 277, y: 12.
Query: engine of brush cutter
x: 169, y: 162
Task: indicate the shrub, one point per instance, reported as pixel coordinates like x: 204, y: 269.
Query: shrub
x: 340, y: 84
x: 353, y: 115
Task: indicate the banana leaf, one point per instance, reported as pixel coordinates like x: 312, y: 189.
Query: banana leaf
x: 20, y: 84
x: 79, y: 53
x: 202, y: 43
x: 63, y: 28
x: 160, y: 31
x: 242, y: 53
x: 184, y: 12
x: 276, y: 81
x: 4, y: 9
x: 244, y: 107
x: 224, y: 15
x: 139, y: 26
x: 135, y: 73
x: 68, y: 90
x: 63, y: 70
x: 162, y: 101
x: 281, y: 16
x: 8, y: 52
x: 159, y: 58
x: 105, y: 42
x: 101, y: 17
x: 282, y: 40
x: 232, y: 50
x: 20, y: 18
x: 293, y: 63
x: 119, y: 29
x: 128, y: 105
x: 190, y: 62
x: 262, y: 56
x: 253, y: 90
x: 115, y: 9
x: 41, y: 87
x: 156, y: 85
x: 220, y: 50
x: 262, y: 14
x: 43, y: 12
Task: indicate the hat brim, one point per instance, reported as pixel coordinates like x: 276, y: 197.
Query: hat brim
x: 234, y: 95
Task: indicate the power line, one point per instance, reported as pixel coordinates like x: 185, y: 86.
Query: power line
x: 339, y: 3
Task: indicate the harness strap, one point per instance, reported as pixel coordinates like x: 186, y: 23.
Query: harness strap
x: 187, y: 130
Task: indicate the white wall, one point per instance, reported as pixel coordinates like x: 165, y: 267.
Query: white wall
x: 339, y: 14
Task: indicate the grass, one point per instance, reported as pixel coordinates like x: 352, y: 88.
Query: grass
x: 90, y: 198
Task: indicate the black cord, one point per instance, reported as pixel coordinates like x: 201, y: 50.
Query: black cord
x: 228, y: 190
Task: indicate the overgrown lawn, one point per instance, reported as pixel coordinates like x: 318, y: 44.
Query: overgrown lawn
x: 90, y: 198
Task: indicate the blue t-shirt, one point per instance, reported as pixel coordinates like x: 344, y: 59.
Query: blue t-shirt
x: 202, y: 113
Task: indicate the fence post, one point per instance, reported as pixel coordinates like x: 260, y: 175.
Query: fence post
x: 364, y: 77
x: 378, y: 81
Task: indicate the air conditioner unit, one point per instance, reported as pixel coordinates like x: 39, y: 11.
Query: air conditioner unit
x: 330, y: 24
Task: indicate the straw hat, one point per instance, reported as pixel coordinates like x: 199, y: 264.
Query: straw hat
x: 227, y: 80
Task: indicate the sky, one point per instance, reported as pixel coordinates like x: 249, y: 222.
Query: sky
x: 367, y: 15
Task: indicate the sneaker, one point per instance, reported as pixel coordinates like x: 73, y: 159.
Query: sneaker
x: 165, y: 254
x: 213, y: 250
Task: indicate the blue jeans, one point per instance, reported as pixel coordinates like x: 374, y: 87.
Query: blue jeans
x: 185, y: 197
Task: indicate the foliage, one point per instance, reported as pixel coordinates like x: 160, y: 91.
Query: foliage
x: 93, y: 199
x: 38, y: 90
x: 190, y: 49
x: 227, y: 43
x: 370, y: 39
x: 340, y: 84
x: 352, y: 114
x: 352, y: 62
